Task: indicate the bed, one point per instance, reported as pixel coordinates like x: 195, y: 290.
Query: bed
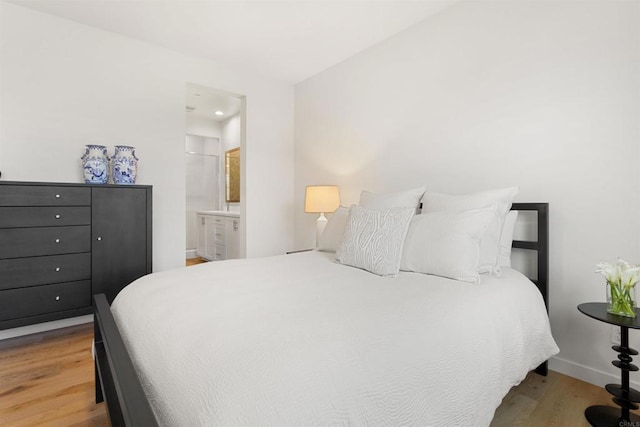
x: 300, y: 339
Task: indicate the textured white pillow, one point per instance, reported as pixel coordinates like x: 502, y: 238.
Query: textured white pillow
x: 330, y: 237
x: 507, y: 238
x: 490, y: 242
x: 373, y: 239
x: 446, y: 243
x: 400, y: 199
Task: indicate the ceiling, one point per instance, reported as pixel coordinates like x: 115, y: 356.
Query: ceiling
x: 286, y: 40
x: 204, y: 102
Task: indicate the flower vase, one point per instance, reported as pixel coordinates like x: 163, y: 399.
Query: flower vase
x: 95, y: 164
x: 621, y: 300
x: 125, y: 165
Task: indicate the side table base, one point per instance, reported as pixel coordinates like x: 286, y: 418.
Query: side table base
x: 608, y: 416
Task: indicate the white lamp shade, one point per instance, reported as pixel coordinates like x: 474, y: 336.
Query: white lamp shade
x: 321, y: 198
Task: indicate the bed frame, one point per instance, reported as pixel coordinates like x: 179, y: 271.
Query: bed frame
x: 541, y: 246
x: 118, y: 384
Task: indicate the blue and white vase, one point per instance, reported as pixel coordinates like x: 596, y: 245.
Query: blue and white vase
x: 125, y: 165
x: 95, y: 163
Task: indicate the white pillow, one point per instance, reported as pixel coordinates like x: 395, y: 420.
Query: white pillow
x: 400, y: 199
x: 446, y: 243
x: 506, y: 239
x: 330, y: 237
x: 373, y: 239
x: 490, y: 242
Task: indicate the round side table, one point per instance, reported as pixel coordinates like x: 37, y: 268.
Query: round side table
x: 624, y: 396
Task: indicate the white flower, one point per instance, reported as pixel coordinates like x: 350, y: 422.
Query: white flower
x: 606, y: 270
x: 621, y: 279
x: 631, y: 276
x: 620, y: 274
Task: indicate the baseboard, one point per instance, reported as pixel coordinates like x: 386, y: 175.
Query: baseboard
x: 47, y: 326
x: 585, y: 373
x: 191, y: 253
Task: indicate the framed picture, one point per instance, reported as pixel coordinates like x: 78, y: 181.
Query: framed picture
x: 232, y: 173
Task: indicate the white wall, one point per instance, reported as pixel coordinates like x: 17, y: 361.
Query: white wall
x: 544, y: 95
x: 64, y: 85
x: 231, y: 132
x: 198, y: 125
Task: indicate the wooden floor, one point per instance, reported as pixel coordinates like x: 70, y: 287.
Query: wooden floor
x: 554, y: 400
x: 47, y: 380
x: 195, y: 261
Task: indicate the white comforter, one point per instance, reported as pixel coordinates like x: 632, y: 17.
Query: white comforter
x: 299, y: 340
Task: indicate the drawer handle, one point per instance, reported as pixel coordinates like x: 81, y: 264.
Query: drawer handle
x: 57, y: 298
x: 99, y: 238
x: 57, y: 268
x: 57, y: 196
x: 57, y: 240
x: 57, y: 216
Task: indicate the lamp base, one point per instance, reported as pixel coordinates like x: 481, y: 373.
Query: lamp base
x: 321, y: 223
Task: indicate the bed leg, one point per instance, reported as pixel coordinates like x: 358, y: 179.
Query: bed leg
x: 543, y: 369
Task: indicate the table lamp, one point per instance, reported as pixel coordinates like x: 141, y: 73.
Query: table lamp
x: 321, y: 199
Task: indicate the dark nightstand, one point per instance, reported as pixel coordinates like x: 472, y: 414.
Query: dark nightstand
x: 624, y: 395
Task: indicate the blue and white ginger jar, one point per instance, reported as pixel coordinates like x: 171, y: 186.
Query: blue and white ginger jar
x: 95, y: 163
x: 125, y: 165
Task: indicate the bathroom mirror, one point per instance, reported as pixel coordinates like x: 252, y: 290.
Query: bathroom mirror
x: 232, y: 173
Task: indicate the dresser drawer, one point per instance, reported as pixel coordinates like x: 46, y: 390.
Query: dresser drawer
x: 219, y: 233
x: 23, y: 272
x: 28, y: 242
x: 44, y: 216
x: 219, y: 252
x: 16, y: 303
x: 44, y: 195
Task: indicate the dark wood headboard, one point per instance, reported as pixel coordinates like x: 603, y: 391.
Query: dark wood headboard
x: 541, y: 246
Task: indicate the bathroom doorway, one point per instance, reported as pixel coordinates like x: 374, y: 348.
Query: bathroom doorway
x: 213, y: 126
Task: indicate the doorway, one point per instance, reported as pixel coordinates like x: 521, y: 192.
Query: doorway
x: 214, y: 124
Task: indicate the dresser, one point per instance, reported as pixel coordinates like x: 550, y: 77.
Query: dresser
x: 218, y: 235
x: 62, y: 243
